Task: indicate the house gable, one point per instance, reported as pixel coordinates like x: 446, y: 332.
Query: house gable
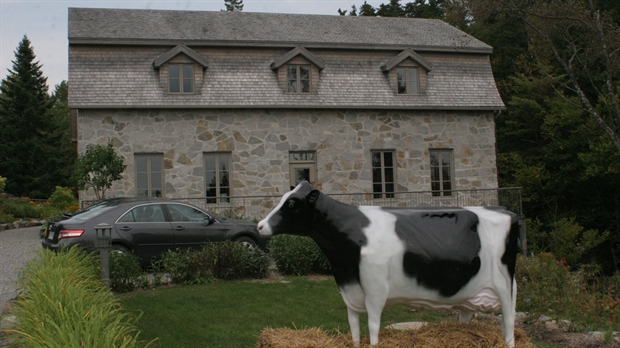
x: 298, y: 56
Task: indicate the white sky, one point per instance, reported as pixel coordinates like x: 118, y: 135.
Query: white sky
x: 45, y: 23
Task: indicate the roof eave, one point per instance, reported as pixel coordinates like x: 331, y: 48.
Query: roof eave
x: 266, y: 106
x: 307, y: 45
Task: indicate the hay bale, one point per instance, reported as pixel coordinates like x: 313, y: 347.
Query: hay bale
x: 440, y: 335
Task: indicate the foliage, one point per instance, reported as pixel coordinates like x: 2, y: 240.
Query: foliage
x: 233, y: 5
x: 125, y: 271
x: 25, y: 209
x: 63, y: 198
x: 2, y: 184
x: 64, y: 304
x: 225, y: 260
x: 98, y: 168
x: 34, y: 149
x: 584, y: 297
x: 297, y: 255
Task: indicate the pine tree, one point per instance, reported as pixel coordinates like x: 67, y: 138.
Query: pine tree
x: 25, y: 126
x: 233, y: 5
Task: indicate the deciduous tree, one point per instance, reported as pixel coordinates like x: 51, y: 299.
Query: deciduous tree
x: 98, y: 168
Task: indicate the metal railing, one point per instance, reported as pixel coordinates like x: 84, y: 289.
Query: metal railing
x: 254, y: 208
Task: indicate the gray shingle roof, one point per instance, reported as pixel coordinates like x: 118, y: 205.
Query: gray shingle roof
x: 268, y: 29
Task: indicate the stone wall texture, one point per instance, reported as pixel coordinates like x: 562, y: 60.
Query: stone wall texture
x: 260, y: 140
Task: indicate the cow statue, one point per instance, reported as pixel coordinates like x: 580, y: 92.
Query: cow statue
x: 437, y: 258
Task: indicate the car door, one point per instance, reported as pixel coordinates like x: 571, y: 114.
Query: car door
x: 192, y: 227
x: 146, y: 230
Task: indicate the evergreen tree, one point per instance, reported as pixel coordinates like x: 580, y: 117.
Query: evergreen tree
x: 233, y: 5
x: 24, y: 126
x: 65, y: 150
x: 366, y: 9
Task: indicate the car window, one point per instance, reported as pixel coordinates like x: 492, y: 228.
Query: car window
x: 180, y: 212
x: 144, y: 213
x: 92, y: 212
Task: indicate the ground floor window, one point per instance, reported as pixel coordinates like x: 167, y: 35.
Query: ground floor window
x: 217, y: 177
x: 302, y: 166
x: 383, y: 174
x: 149, y: 175
x: 442, y: 172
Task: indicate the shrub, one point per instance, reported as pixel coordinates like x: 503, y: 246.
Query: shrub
x: 189, y: 266
x: 586, y: 298
x: 2, y: 184
x: 64, y: 304
x: 225, y: 260
x: 236, y: 261
x: 125, y: 271
x: 297, y: 255
x: 63, y: 198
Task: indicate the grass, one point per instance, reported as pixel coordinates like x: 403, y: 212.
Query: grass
x: 233, y: 314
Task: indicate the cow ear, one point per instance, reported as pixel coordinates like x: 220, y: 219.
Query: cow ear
x: 313, y: 196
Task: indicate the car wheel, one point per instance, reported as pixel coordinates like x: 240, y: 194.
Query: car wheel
x: 246, y: 241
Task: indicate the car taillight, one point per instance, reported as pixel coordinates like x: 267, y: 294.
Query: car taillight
x: 70, y: 234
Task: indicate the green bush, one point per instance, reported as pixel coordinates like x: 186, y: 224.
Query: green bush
x: 584, y: 297
x: 236, y: 261
x: 125, y: 271
x: 2, y: 184
x: 227, y: 260
x: 64, y: 304
x: 189, y: 266
x: 297, y: 255
x: 24, y: 208
x: 63, y: 198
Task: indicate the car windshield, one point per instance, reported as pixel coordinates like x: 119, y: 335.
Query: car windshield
x: 93, y: 211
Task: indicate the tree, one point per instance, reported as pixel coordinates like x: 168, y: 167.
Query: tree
x: 233, y: 5
x: 584, y: 41
x: 64, y: 149
x: 98, y: 168
x: 24, y: 127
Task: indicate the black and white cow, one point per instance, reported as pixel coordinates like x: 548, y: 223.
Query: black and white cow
x: 435, y: 258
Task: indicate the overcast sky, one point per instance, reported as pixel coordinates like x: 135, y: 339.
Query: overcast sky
x: 45, y: 23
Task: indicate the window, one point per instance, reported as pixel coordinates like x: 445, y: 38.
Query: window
x: 149, y: 175
x: 298, y: 78
x: 302, y: 167
x: 441, y: 172
x: 181, y: 77
x: 144, y: 213
x: 382, y: 174
x: 408, y: 81
x: 217, y: 172
x: 179, y: 212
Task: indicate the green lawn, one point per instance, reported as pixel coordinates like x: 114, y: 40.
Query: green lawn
x: 233, y: 314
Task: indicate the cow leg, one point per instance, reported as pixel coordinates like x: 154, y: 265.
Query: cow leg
x: 354, y: 326
x: 374, y: 306
x: 508, y: 300
x: 465, y: 316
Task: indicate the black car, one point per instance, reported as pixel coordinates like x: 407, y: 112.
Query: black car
x: 148, y: 227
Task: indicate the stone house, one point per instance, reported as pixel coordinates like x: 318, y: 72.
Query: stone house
x: 221, y: 104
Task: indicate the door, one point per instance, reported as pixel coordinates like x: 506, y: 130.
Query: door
x: 145, y: 228
x: 192, y: 227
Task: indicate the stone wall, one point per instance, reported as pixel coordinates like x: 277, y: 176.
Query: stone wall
x: 260, y: 140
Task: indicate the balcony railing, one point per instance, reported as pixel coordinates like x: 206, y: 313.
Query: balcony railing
x: 256, y: 207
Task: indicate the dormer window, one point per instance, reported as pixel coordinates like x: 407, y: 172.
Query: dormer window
x: 181, y: 78
x: 408, y: 80
x: 181, y: 70
x: 298, y: 78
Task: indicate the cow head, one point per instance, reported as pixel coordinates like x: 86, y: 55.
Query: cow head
x: 294, y: 214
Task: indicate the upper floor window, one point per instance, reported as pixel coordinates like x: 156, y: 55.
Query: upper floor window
x: 217, y: 171
x: 408, y: 80
x: 298, y: 78
x: 442, y: 172
x: 302, y: 166
x: 181, y: 78
x: 149, y: 175
x: 383, y: 174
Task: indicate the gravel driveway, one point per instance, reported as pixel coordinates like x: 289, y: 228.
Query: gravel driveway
x: 17, y: 247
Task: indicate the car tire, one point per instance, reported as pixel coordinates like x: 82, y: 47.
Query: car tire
x: 247, y: 241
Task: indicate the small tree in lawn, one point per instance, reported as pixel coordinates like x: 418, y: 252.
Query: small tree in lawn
x: 98, y: 168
